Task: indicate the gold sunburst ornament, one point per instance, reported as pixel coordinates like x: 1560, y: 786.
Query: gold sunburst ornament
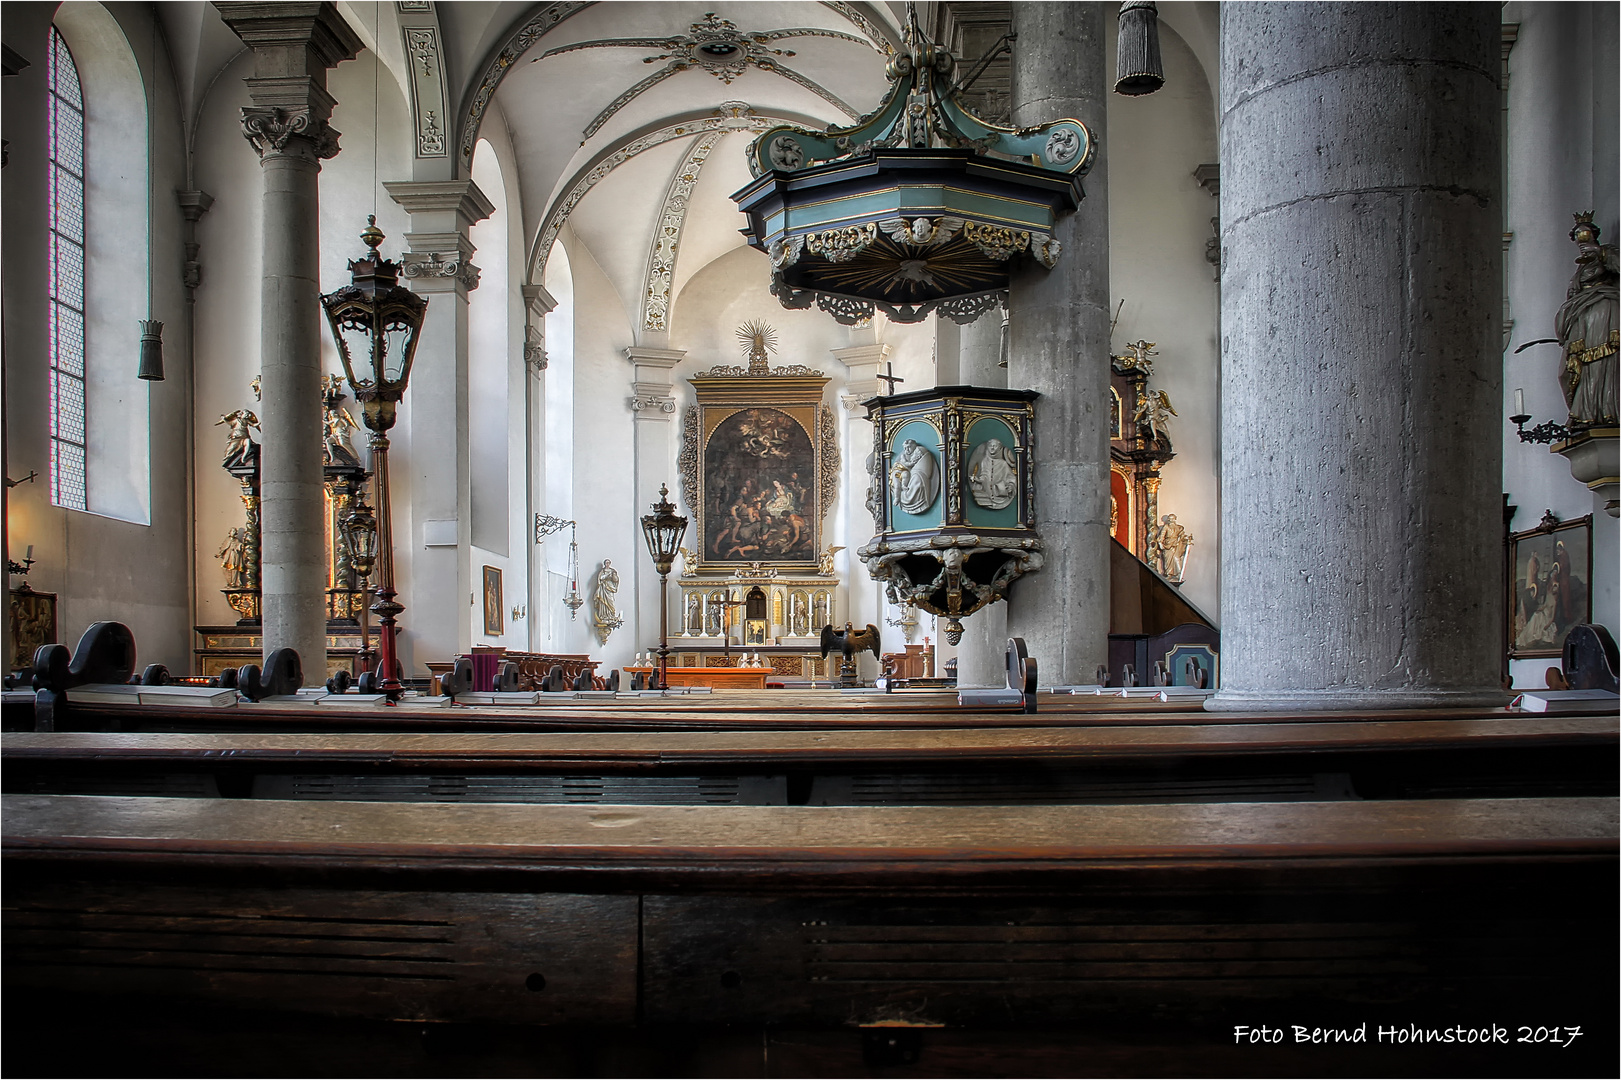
x: 757, y: 339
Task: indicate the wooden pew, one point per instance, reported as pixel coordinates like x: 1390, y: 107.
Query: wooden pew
x: 1160, y: 763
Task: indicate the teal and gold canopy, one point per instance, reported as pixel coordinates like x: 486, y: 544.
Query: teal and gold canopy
x: 920, y: 206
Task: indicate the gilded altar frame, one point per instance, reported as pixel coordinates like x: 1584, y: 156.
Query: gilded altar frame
x: 759, y: 467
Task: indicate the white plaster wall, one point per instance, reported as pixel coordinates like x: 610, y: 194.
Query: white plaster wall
x: 554, y: 483
x: 1562, y: 121
x: 1159, y: 220
x: 603, y: 462
x: 99, y: 567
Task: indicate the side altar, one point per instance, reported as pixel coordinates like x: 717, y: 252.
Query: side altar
x: 759, y: 472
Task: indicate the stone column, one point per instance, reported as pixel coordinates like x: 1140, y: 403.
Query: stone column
x: 652, y: 403
x: 982, y: 652
x: 1058, y: 325
x: 293, y: 46
x: 434, y: 546
x: 1361, y: 356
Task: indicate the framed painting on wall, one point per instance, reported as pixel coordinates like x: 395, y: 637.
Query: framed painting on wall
x: 33, y: 623
x: 493, y: 623
x: 1550, y: 572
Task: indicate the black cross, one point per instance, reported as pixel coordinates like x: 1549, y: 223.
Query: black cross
x: 891, y: 378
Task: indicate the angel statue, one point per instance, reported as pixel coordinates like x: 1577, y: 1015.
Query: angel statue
x: 1136, y: 357
x: 689, y: 561
x: 240, y: 449
x: 1153, y: 412
x: 824, y: 562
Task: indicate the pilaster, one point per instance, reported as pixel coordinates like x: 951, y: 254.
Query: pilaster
x: 652, y: 403
x: 438, y: 262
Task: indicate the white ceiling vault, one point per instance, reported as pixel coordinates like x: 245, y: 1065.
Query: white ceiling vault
x: 628, y: 120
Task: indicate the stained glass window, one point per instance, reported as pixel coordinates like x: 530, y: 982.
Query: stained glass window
x: 66, y: 329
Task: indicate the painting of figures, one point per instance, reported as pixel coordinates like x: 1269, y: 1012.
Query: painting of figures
x: 1549, y: 593
x: 759, y: 477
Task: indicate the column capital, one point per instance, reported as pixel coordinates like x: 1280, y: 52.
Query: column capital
x: 293, y: 46
x: 537, y: 304
x: 863, y: 362
x: 652, y: 388
x: 441, y: 205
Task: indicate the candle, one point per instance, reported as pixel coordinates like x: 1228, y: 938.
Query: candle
x: 1519, y: 402
x: 30, y: 556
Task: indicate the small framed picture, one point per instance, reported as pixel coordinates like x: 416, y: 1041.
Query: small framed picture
x: 33, y: 623
x: 1550, y: 572
x: 493, y: 625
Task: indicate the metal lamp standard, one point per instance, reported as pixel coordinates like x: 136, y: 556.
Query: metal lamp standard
x: 663, y: 529
x: 376, y: 318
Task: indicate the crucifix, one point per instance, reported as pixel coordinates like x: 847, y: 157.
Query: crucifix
x: 726, y: 621
x: 889, y: 378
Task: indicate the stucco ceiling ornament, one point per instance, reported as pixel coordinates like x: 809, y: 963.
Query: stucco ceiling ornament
x: 958, y: 201
x: 714, y: 45
x: 730, y: 116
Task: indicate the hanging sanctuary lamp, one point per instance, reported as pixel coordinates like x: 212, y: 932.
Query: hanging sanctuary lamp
x: 376, y: 322
x: 918, y: 207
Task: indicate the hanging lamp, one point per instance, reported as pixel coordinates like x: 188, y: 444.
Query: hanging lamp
x: 919, y: 207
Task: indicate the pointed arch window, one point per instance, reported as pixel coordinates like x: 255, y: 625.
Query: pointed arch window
x: 67, y: 277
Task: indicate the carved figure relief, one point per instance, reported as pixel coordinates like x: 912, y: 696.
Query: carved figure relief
x: 993, y: 475
x: 915, y: 478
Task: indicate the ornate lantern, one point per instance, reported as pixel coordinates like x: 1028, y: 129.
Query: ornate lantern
x: 953, y: 494
x: 376, y: 318
x: 360, y: 538
x: 920, y: 206
x: 663, y: 530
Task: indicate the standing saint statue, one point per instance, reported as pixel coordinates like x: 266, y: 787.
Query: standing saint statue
x: 1168, y: 545
x: 1588, y: 329
x: 605, y: 615
x: 233, y: 558
x: 915, y: 478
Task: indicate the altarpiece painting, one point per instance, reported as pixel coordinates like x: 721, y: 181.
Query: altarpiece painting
x: 759, y: 465
x: 1550, y: 571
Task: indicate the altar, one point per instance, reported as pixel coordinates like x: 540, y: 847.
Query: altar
x: 716, y: 678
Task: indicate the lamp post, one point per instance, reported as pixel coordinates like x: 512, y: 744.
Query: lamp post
x: 376, y: 318
x: 663, y: 529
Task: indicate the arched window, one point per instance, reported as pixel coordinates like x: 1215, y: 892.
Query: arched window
x: 67, y: 284
x: 99, y: 272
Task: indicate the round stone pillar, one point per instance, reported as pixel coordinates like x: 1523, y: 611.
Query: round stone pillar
x: 291, y: 486
x: 1361, y: 356
x: 1058, y: 326
x: 293, y: 46
x: 982, y: 652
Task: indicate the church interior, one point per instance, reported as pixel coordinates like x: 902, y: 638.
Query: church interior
x: 999, y: 538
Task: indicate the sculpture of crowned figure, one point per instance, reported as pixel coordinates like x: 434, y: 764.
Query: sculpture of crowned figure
x: 1588, y: 329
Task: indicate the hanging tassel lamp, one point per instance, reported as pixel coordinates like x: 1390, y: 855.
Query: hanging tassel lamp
x: 1138, y: 69
x: 151, y: 368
